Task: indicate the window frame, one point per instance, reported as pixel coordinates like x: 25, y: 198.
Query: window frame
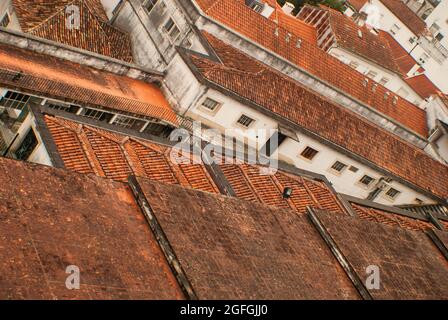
x: 154, y: 4
x: 395, y: 196
x: 305, y: 149
x: 168, y: 32
x: 336, y: 172
x: 366, y: 186
x: 203, y: 107
x: 238, y: 123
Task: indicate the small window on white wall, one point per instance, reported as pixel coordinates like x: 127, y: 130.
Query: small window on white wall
x: 150, y: 4
x: 372, y: 74
x: 245, y: 121
x: 338, y: 167
x: 392, y: 193
x: 395, y: 29
x: 384, y: 81
x: 210, y: 104
x: 309, y: 153
x: 366, y: 180
x: 171, y: 29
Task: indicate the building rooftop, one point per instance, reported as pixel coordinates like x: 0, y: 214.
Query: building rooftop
x: 278, y: 94
x: 86, y: 149
x: 128, y: 238
x: 54, y: 218
x: 265, y: 32
x: 350, y: 36
x: 47, y: 19
x: 41, y: 74
x: 401, y: 11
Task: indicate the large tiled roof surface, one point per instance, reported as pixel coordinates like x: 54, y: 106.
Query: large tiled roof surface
x: 51, y: 219
x: 370, y: 46
x: 297, y: 27
x: 402, y: 58
x: 402, y: 256
x: 48, y: 19
x: 249, y: 23
x: 388, y: 218
x: 281, y: 95
x: 232, y: 249
x: 88, y: 150
x: 406, y: 16
x: 422, y: 85
x: 45, y: 75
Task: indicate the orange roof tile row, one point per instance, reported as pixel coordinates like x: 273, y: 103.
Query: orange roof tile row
x: 359, y: 40
x: 42, y: 74
x: 48, y: 19
x: 236, y: 15
x: 279, y: 94
x: 90, y: 150
x: 380, y: 216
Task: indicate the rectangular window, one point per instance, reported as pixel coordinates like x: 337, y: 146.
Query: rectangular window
x: 150, y: 4
x: 366, y: 180
x: 439, y: 37
x: 14, y: 100
x: 63, y: 107
x: 273, y: 144
x: 210, y: 104
x: 96, y: 114
x: 395, y: 29
x: 392, y: 193
x: 353, y: 169
x: 27, y: 147
x: 171, y: 29
x: 4, y: 22
x: 124, y: 122
x: 309, y: 153
x: 245, y: 121
x: 354, y: 64
x: 372, y: 74
x: 384, y: 81
x: 338, y: 166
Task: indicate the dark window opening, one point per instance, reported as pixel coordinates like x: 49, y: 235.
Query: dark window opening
x: 273, y: 143
x: 27, y: 147
x: 366, y: 180
x: 339, y: 166
x: 309, y: 153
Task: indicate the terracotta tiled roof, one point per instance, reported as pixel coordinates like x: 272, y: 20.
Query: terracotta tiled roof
x: 297, y: 27
x: 401, y: 255
x: 357, y: 4
x: 402, y: 58
x: 384, y: 217
x: 289, y: 99
x: 360, y: 40
x: 51, y: 219
x: 406, y: 15
x: 89, y: 150
x: 233, y: 249
x: 422, y: 85
x: 45, y: 75
x: 268, y: 34
x: 47, y: 19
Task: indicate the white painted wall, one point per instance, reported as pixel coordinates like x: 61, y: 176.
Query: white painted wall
x: 346, y: 182
x: 395, y: 84
x: 7, y: 8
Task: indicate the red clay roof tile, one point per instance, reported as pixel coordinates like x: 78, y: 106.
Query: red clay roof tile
x: 52, y: 219
x: 42, y: 74
x: 47, y: 19
x: 281, y: 95
x: 268, y: 34
x: 117, y: 156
